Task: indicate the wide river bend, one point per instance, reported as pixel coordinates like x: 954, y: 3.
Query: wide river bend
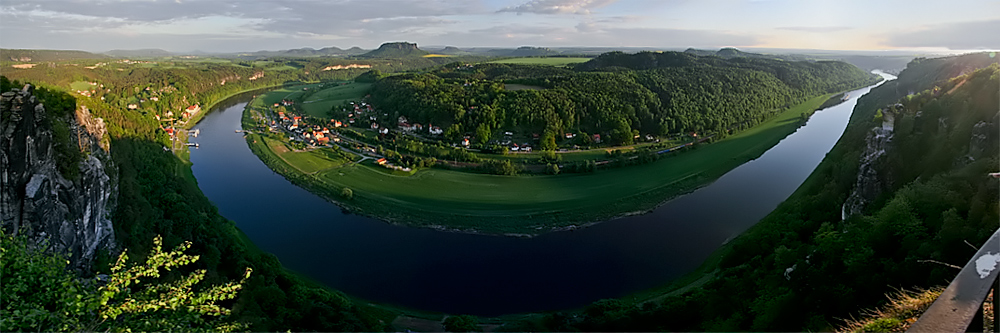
x: 492, y: 275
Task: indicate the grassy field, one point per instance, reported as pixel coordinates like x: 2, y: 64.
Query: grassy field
x: 433, y: 55
x: 536, y: 204
x: 275, y: 96
x: 81, y: 85
x: 551, y: 61
x: 320, y: 102
x: 307, y: 161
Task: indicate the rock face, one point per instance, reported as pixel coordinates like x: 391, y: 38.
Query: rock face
x: 73, y: 216
x: 870, y: 182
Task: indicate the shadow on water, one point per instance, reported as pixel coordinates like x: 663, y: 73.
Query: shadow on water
x: 493, y: 275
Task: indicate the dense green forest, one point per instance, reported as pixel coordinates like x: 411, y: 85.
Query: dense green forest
x: 803, y: 267
x: 616, y: 95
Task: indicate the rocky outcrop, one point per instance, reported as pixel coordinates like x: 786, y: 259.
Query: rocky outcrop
x: 72, y: 216
x: 983, y: 140
x: 871, y: 182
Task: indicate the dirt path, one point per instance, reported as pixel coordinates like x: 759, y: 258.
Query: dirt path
x: 956, y: 86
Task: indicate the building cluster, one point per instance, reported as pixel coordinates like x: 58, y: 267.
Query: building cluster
x: 406, y: 126
x: 299, y: 130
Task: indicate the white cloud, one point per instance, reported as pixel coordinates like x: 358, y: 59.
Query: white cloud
x: 955, y: 36
x: 557, y: 6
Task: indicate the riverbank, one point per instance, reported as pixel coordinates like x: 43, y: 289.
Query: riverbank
x: 530, y: 205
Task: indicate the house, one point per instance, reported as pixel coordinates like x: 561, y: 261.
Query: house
x: 133, y: 106
x: 465, y: 142
x: 508, y: 133
x: 384, y: 130
x: 381, y: 161
x: 526, y: 148
x: 649, y: 137
x: 326, y: 130
x: 374, y: 125
x: 194, y: 109
x: 570, y: 135
x: 435, y: 130
x: 336, y: 123
x: 597, y: 138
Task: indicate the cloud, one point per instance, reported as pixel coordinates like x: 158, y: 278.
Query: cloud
x: 592, y: 34
x: 815, y: 29
x: 955, y: 36
x: 557, y: 6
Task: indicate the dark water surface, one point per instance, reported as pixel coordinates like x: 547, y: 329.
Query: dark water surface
x: 492, y: 275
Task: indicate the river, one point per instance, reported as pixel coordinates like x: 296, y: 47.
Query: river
x: 492, y: 275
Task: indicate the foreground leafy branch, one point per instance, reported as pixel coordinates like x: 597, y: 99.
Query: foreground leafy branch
x: 39, y: 293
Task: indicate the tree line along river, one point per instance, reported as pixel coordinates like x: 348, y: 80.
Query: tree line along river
x: 488, y: 275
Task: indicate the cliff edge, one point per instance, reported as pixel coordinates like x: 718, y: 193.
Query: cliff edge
x: 72, y: 215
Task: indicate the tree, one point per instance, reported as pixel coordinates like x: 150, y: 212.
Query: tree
x: 462, y: 323
x: 552, y: 169
x: 41, y: 293
x: 483, y: 134
x: 347, y: 193
x: 453, y: 132
x: 548, y: 140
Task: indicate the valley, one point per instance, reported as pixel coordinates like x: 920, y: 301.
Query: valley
x: 723, y: 189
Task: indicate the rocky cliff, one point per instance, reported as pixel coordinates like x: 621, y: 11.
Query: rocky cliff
x: 871, y: 172
x: 72, y: 215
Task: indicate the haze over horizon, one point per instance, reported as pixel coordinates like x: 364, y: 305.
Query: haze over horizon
x: 241, y: 26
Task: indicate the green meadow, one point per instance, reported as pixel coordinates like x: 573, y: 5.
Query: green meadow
x: 305, y: 161
x: 81, y: 85
x: 551, y: 61
x: 320, y: 102
x: 529, y: 204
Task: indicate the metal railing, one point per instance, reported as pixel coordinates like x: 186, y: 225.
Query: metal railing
x: 960, y: 306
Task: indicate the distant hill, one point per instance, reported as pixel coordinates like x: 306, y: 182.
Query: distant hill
x: 396, y: 50
x: 46, y: 55
x: 308, y: 52
x: 528, y: 51
x: 451, y: 50
x: 141, y: 53
x: 643, y: 60
x: 729, y: 53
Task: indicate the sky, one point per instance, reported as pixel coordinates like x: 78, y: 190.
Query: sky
x: 252, y: 25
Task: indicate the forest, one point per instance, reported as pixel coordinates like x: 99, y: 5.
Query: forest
x: 803, y: 267
x: 616, y: 95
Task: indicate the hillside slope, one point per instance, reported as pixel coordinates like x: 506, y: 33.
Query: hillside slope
x: 803, y: 267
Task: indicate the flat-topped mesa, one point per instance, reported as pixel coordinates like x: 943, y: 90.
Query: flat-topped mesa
x: 71, y: 214
x: 396, y: 50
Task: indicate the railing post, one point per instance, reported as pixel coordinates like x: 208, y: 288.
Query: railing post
x: 996, y: 306
x: 978, y: 320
